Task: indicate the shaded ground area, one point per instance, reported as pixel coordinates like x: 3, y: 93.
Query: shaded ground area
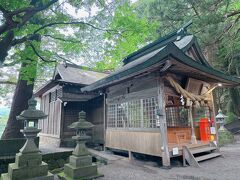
x: 119, y: 168
x: 227, y: 168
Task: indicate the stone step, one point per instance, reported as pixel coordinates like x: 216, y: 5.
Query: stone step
x: 208, y: 156
x: 102, y: 155
x: 202, y: 149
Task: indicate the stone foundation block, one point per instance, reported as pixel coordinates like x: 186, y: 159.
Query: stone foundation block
x: 30, y: 160
x: 48, y: 177
x: 20, y: 173
x: 80, y: 161
x: 80, y: 172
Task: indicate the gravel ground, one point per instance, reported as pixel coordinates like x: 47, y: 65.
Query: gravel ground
x: 227, y: 168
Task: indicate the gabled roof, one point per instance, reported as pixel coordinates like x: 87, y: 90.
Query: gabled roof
x: 77, y: 74
x: 171, y: 37
x: 156, y: 54
x: 71, y: 74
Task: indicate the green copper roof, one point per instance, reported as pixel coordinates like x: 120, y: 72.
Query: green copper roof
x: 159, y: 57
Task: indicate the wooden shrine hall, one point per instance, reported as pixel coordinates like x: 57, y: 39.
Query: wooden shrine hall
x: 154, y: 102
x: 61, y: 99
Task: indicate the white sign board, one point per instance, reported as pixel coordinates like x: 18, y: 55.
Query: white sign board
x: 175, y: 151
x: 213, y: 130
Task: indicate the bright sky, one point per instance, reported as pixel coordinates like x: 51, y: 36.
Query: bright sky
x: 76, y: 13
x: 83, y: 13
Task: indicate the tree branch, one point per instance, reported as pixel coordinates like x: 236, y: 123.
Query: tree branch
x: 64, y: 59
x: 74, y: 23
x: 31, y: 37
x: 35, y: 51
x: 232, y: 14
x: 29, y: 13
x: 8, y: 82
x: 5, y: 45
x: 61, y: 39
x: 4, y: 11
x: 18, y: 11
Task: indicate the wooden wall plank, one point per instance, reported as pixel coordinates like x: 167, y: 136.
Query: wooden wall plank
x: 135, y: 141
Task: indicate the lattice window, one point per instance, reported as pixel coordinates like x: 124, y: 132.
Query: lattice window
x: 138, y: 113
x: 177, y: 116
x: 111, y: 115
x: 53, y: 96
x: 59, y: 92
x: 149, y: 113
x: 134, y: 113
x: 201, y: 112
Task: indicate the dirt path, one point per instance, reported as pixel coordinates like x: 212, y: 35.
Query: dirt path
x: 227, y: 168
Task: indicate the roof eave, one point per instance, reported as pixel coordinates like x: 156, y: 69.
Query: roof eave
x: 170, y: 49
x: 157, y: 58
x: 183, y: 58
x: 45, y: 88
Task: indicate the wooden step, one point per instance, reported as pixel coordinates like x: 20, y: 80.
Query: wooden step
x: 208, y: 156
x: 193, y: 146
x: 202, y: 149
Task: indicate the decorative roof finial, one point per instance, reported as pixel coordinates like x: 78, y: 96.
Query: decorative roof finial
x: 183, y: 30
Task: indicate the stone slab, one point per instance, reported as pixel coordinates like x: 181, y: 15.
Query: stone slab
x: 30, y: 160
x: 48, y: 177
x: 80, y: 161
x: 103, y: 155
x: 16, y: 173
x: 64, y: 177
x: 80, y: 172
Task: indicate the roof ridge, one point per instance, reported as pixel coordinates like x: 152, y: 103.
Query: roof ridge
x: 81, y: 67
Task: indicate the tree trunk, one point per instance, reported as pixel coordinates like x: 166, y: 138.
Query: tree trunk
x: 22, y: 94
x: 235, y: 98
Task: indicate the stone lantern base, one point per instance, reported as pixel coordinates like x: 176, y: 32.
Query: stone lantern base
x: 80, y: 167
x: 28, y: 166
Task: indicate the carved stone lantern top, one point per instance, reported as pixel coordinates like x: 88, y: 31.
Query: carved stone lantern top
x: 82, y: 124
x: 81, y: 127
x: 31, y: 113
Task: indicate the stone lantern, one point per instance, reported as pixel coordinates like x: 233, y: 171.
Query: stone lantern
x: 220, y: 119
x: 224, y: 136
x: 80, y: 164
x: 28, y: 162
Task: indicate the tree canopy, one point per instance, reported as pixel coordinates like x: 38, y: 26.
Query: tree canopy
x: 215, y: 23
x: 101, y: 33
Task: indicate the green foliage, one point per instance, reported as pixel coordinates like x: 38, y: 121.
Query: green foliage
x: 214, y: 23
x: 230, y: 117
x: 51, y: 33
x: 133, y: 33
x: 225, y: 137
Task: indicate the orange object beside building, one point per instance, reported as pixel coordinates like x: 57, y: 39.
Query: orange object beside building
x: 204, y: 128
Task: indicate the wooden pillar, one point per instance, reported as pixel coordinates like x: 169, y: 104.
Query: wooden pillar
x: 61, y: 135
x: 130, y: 156
x: 163, y: 124
x: 214, y: 115
x: 193, y: 136
x: 104, y: 121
